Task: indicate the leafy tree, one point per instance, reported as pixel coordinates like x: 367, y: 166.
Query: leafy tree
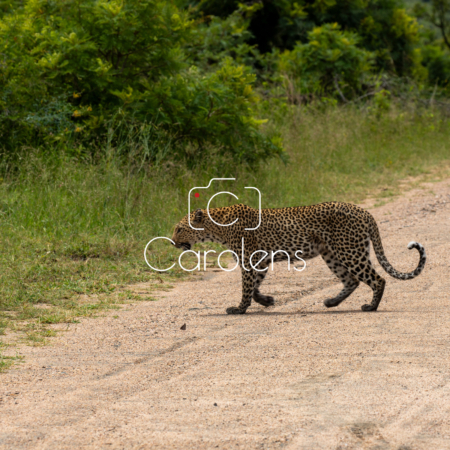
x: 331, y: 62
x: 385, y: 29
x: 383, y: 25
x: 435, y: 36
x: 437, y: 13
x: 89, y: 60
x: 213, y: 39
x: 437, y: 61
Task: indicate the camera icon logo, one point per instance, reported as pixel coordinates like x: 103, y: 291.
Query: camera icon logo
x: 218, y: 193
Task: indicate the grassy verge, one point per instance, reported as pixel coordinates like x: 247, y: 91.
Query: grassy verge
x: 7, y: 361
x: 73, y: 231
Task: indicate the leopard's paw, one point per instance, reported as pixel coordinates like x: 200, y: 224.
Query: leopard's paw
x: 235, y: 310
x: 265, y: 300
x: 331, y: 303
x: 369, y: 308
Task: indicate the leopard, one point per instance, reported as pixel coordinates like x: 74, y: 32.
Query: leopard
x: 339, y: 232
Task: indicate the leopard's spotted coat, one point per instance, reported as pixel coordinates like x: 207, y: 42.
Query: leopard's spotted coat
x: 339, y: 232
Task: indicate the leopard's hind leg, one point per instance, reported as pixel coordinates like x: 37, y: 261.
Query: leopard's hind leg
x: 375, y: 282
x: 349, y: 281
x: 357, y: 262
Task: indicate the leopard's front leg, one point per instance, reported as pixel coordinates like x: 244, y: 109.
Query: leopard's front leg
x: 248, y: 285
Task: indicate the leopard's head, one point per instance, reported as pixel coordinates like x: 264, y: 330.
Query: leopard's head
x: 184, y: 236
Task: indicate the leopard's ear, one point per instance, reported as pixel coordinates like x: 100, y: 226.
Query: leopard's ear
x: 198, y: 217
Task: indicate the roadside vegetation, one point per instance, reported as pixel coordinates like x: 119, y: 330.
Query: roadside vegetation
x: 112, y: 111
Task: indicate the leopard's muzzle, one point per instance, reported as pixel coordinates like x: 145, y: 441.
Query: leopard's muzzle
x: 183, y: 245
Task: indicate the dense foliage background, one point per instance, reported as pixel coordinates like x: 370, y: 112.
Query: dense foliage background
x: 186, y: 78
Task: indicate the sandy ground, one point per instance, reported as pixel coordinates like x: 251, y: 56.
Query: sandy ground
x: 293, y: 376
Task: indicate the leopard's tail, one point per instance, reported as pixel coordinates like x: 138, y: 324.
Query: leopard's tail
x: 379, y: 252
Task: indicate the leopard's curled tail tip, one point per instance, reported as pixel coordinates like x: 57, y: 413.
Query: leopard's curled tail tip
x: 400, y: 275
x: 423, y: 258
x: 417, y: 246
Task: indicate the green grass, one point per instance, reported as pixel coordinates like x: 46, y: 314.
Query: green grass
x: 7, y: 361
x: 73, y: 230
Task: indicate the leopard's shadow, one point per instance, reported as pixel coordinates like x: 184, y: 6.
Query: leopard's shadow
x: 308, y: 313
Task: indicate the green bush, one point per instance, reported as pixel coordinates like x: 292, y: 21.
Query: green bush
x: 437, y: 60
x: 330, y: 63
x: 383, y: 26
x: 213, y: 39
x: 69, y: 67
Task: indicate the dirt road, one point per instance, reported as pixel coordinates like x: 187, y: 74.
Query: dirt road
x: 293, y: 376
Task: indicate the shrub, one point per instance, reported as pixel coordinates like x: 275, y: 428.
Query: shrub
x: 437, y: 61
x: 330, y: 63
x: 383, y: 25
x: 70, y: 66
